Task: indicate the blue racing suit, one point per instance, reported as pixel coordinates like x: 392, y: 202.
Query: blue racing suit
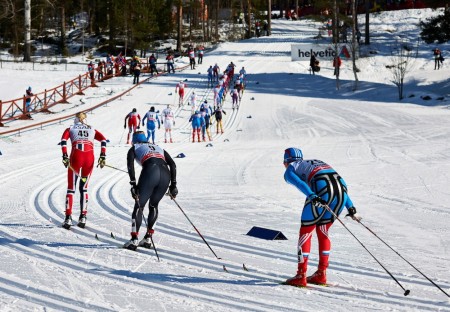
x: 152, y: 118
x: 316, y: 178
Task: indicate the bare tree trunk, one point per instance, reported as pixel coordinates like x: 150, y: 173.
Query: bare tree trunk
x: 216, y: 34
x: 111, y: 21
x: 366, y: 30
x: 354, y: 45
x: 269, y: 18
x: 63, y: 32
x: 208, y: 22
x: 190, y: 20
x: 180, y: 26
x: 249, y: 19
x: 335, y: 44
x: 126, y: 31
x: 27, y: 50
x: 335, y: 23
x: 203, y: 20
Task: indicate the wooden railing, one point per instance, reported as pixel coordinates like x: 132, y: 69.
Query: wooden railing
x: 60, y: 94
x: 41, y: 102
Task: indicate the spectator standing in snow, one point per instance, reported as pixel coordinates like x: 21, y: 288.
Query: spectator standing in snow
x: 191, y: 55
x: 91, y: 70
x: 152, y: 62
x: 337, y: 62
x: 330, y: 27
x: 136, y: 73
x: 100, y: 70
x: 28, y: 96
x: 158, y: 172
x: 80, y: 164
x: 314, y: 63
x: 323, y: 188
x: 437, y: 58
x: 169, y: 59
x: 200, y: 52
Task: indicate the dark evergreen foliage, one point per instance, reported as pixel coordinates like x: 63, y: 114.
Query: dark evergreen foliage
x: 436, y: 29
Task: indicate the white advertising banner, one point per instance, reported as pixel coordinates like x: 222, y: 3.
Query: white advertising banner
x: 303, y: 52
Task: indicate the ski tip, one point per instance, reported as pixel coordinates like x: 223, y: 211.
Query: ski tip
x: 244, y: 267
x: 225, y: 269
x: 112, y: 235
x: 96, y: 236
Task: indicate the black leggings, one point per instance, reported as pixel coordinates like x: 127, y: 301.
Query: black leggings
x: 153, y: 183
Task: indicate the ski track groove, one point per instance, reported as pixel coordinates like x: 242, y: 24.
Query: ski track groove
x: 177, y: 257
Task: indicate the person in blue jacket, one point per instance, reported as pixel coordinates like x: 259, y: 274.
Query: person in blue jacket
x: 197, y: 121
x: 325, y: 189
x: 152, y: 118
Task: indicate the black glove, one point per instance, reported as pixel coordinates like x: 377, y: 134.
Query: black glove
x: 124, y: 126
x: 102, y: 160
x: 134, y: 190
x: 65, y: 160
x: 159, y: 127
x: 138, y: 127
x: 317, y: 201
x: 173, y: 191
x: 352, y: 214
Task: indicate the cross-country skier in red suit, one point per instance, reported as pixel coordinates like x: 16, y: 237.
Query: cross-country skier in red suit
x: 134, y: 121
x: 80, y: 164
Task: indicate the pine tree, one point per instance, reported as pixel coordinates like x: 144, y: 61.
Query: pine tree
x: 436, y: 28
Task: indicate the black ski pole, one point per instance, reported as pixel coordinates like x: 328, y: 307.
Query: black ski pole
x: 198, y: 232
x: 407, y: 291
x: 359, y: 221
x: 146, y: 225
x: 106, y: 165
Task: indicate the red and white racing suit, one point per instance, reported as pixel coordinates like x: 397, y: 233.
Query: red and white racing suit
x: 81, y: 161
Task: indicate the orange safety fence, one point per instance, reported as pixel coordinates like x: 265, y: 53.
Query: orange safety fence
x: 41, y: 102
x: 60, y: 94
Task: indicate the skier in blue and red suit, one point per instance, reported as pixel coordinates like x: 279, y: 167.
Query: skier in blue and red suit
x: 324, y: 188
x: 197, y: 122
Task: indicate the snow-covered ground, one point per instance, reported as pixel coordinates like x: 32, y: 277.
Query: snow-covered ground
x: 394, y: 156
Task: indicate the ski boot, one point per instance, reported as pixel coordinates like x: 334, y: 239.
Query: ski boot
x: 298, y: 280
x: 132, y: 244
x: 67, y: 222
x: 146, y: 242
x: 318, y: 278
x: 82, y: 221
